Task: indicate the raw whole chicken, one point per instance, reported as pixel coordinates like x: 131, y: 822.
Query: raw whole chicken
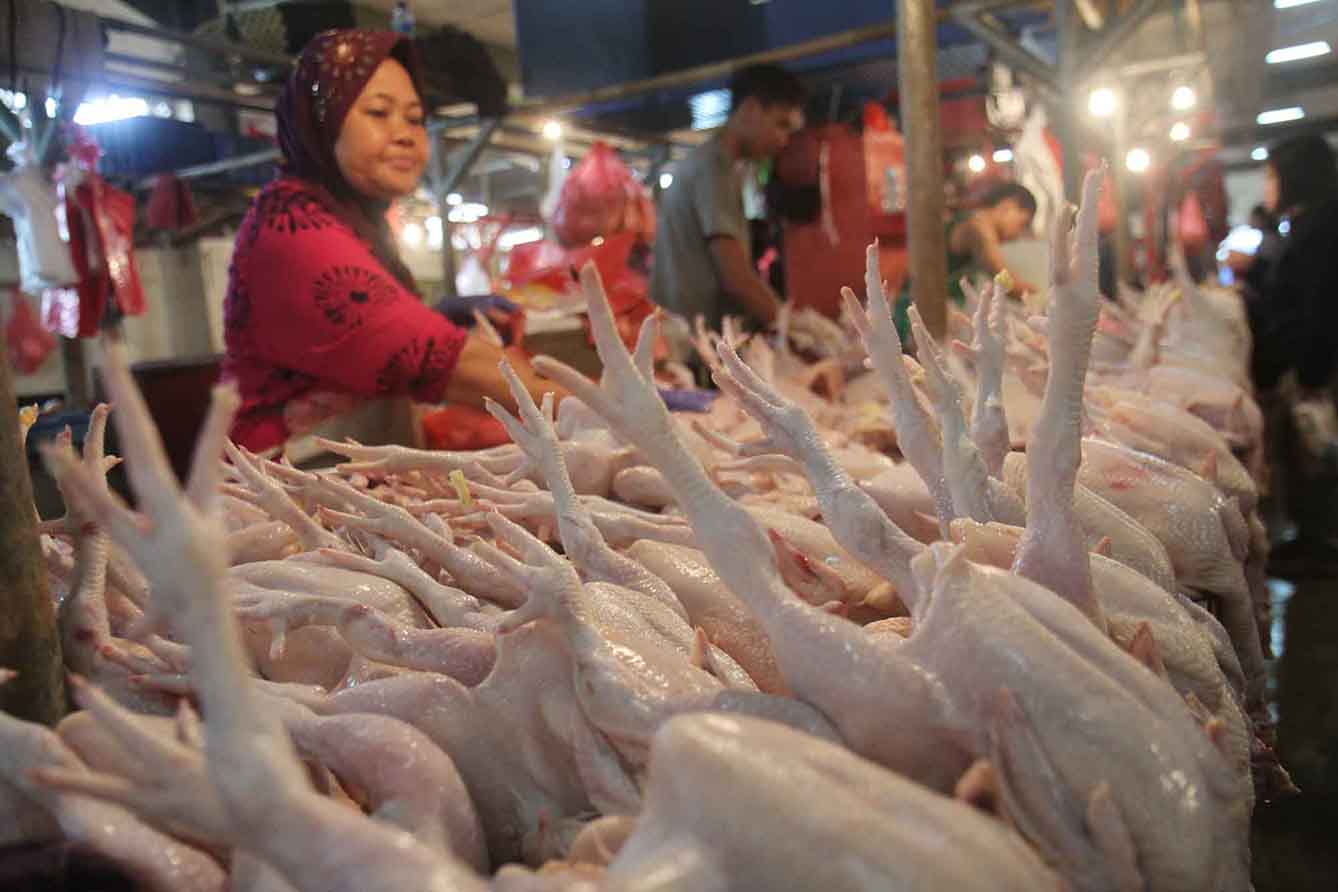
x: 951, y: 593
x: 928, y: 672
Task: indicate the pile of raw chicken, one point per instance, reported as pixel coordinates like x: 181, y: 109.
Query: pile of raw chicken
x: 745, y: 649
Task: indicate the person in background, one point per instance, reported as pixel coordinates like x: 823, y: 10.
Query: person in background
x: 975, y: 241
x: 320, y: 311
x: 1263, y: 219
x: 1257, y: 270
x: 1295, y: 327
x: 703, y: 249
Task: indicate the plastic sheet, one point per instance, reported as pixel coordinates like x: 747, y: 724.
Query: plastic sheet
x: 31, y: 199
x: 462, y: 427
x: 460, y: 310
x: 29, y: 343
x: 688, y: 400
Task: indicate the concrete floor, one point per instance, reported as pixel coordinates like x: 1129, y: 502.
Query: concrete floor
x: 1296, y: 840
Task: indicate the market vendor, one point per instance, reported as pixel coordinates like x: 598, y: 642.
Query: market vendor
x: 703, y: 249
x: 975, y: 240
x: 320, y: 309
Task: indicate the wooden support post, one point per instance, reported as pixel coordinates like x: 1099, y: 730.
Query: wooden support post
x: 76, y: 374
x: 1119, y: 181
x: 917, y: 72
x: 1065, y: 108
x: 29, y: 641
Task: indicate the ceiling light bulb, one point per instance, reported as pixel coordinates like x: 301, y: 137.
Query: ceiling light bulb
x: 1183, y: 98
x: 1101, y: 102
x: 1279, y: 115
x: 1298, y: 52
x: 1179, y: 131
x: 1002, y: 156
x: 976, y: 163
x: 553, y: 130
x: 1138, y: 160
x: 1260, y: 153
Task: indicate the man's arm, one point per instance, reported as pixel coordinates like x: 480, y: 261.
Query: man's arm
x: 739, y: 281
x: 984, y: 246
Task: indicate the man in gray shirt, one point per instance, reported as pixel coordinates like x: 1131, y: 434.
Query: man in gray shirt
x: 703, y: 251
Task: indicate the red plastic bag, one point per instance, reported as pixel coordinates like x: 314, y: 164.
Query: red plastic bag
x: 1107, y: 212
x: 544, y: 263
x: 29, y: 343
x: 602, y: 197
x: 101, y: 221
x: 628, y: 291
x: 1192, y: 228
x: 170, y: 205
x: 462, y: 427
x: 884, y: 163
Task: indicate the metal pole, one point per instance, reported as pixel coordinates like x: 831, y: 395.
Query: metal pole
x: 208, y: 44
x: 197, y: 92
x: 1065, y: 116
x: 1114, y: 35
x: 917, y: 72
x: 240, y: 162
x: 468, y: 155
x: 436, y: 173
x: 1010, y: 52
x: 1153, y: 66
x: 447, y: 183
x: 29, y: 640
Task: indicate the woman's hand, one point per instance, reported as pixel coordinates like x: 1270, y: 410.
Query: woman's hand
x: 477, y: 376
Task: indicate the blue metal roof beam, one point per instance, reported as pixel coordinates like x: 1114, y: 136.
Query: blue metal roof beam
x: 870, y: 39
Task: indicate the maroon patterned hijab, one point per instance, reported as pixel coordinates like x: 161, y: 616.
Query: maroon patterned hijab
x: 330, y: 75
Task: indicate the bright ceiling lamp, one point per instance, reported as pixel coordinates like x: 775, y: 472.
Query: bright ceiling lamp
x: 552, y: 130
x: 976, y: 163
x: 509, y: 240
x: 1279, y: 115
x: 435, y: 232
x: 1288, y: 4
x: 1002, y: 156
x: 469, y: 212
x: 107, y: 109
x: 1259, y: 153
x: 1101, y: 102
x: 1138, y: 160
x: 1183, y: 98
x: 709, y: 109
x: 1298, y: 52
x: 1179, y: 131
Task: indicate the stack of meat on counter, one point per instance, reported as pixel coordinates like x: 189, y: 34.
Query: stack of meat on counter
x: 989, y: 619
